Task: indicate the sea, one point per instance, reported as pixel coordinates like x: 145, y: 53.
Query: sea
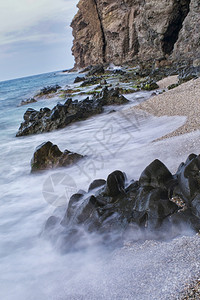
x: 32, y: 267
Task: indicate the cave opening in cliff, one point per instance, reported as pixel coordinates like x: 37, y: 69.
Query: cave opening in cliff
x: 180, y: 12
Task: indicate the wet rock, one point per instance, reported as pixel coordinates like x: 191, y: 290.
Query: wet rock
x: 189, y: 178
x: 96, y: 70
x: 155, y: 203
x: 91, y: 81
x: 96, y: 184
x: 28, y: 101
x: 48, y: 90
x: 115, y: 184
x: 112, y: 96
x: 118, y: 72
x: 79, y: 79
x: 149, y: 85
x: 156, y: 175
x: 61, y: 115
x: 188, y: 73
x: 184, y: 220
x: 110, y: 207
x: 48, y: 156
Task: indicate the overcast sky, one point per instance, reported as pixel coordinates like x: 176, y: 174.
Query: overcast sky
x: 35, y: 36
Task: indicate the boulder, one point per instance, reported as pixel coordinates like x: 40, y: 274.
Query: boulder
x: 79, y: 79
x: 115, y: 184
x: 189, y: 178
x: 48, y: 156
x: 96, y: 70
x: 28, y: 101
x: 156, y: 175
x: 112, y: 97
x: 48, y: 90
x: 96, y: 184
x: 91, y: 81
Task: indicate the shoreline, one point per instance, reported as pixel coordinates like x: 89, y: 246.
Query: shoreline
x: 183, y: 100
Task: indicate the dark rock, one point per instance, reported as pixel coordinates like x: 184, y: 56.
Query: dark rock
x: 156, y: 175
x: 61, y: 115
x: 189, y: 178
x: 28, y: 101
x: 96, y: 184
x: 79, y: 79
x: 172, y: 86
x: 112, y: 96
x: 118, y: 72
x: 48, y: 90
x: 188, y: 73
x: 48, y: 156
x: 91, y: 81
x: 154, y: 202
x: 185, y: 220
x: 115, y: 183
x: 113, y: 207
x: 96, y: 70
x: 149, y: 85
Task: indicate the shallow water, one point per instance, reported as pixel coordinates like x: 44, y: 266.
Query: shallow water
x: 31, y: 267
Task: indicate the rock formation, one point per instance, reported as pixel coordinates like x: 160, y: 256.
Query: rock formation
x: 114, y: 31
x: 48, y: 156
x: 61, y: 115
x: 158, y: 203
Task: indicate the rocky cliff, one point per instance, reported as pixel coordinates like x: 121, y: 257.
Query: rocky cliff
x: 121, y: 31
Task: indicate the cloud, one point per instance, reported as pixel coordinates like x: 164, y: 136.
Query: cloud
x: 25, y: 19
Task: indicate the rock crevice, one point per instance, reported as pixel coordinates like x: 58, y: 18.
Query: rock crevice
x: 136, y: 31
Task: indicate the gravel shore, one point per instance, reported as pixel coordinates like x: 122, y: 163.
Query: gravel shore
x: 183, y: 100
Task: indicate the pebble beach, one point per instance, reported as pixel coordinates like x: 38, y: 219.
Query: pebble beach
x: 183, y: 100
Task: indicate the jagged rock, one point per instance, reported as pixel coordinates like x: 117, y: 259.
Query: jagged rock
x: 188, y: 73
x: 156, y: 175
x: 61, y: 115
x: 28, y: 101
x: 48, y: 90
x: 131, y: 31
x: 111, y: 206
x: 96, y: 70
x: 90, y: 81
x: 79, y: 79
x: 48, y: 156
x: 189, y: 178
x: 115, y: 183
x: 112, y: 96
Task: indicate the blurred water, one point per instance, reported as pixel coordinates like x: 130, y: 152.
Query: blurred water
x: 30, y: 266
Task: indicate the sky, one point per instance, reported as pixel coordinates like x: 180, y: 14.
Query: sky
x: 35, y: 36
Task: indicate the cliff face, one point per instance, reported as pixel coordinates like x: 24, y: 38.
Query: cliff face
x: 122, y: 31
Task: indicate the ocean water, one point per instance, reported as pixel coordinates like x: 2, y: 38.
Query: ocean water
x: 31, y: 266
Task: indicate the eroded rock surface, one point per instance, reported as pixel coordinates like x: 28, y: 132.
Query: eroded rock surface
x: 61, y: 115
x: 128, y: 31
x: 48, y: 156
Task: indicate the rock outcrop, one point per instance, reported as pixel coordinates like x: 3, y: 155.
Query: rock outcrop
x: 48, y: 156
x: 136, y: 31
x: 159, y: 203
x: 61, y: 115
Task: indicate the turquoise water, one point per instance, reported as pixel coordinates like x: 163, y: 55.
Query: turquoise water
x: 31, y: 267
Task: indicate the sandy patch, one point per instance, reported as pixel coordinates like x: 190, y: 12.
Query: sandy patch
x: 164, y: 83
x: 183, y: 100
